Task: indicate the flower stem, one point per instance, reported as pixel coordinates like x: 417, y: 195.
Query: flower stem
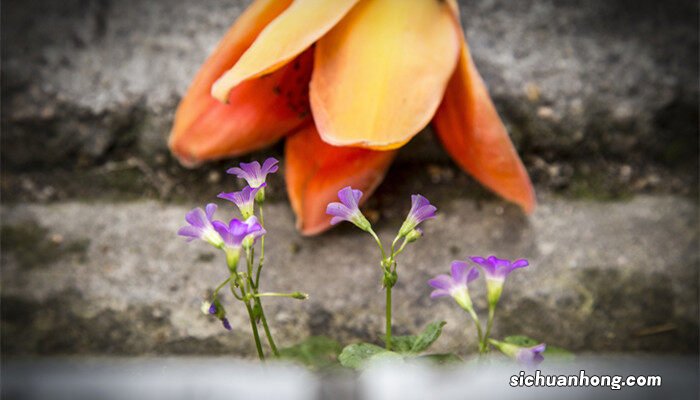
x: 489, y: 324
x: 379, y: 242
x: 477, y: 324
x: 216, y: 291
x: 268, y: 334
x: 254, y: 327
x: 387, y: 341
x: 262, y: 249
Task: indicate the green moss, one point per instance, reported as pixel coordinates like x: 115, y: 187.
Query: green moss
x: 596, y: 186
x: 32, y: 247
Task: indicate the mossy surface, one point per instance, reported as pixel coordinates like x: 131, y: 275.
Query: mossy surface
x: 33, y: 246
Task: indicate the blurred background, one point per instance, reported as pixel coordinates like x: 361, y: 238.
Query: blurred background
x: 600, y: 97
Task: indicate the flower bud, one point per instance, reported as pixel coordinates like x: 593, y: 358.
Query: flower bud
x: 414, y: 235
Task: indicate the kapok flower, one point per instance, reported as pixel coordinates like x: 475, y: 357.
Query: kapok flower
x: 243, y: 199
x: 455, y: 285
x: 328, y: 75
x: 234, y: 235
x: 421, y: 210
x: 348, y: 209
x: 200, y: 226
x: 530, y: 357
x: 496, y: 270
x: 253, y: 173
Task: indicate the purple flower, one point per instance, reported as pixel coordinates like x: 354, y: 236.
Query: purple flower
x: 244, y: 199
x: 201, y: 226
x: 227, y: 325
x: 526, y: 356
x: 212, y: 309
x: 348, y: 209
x: 236, y: 231
x: 253, y: 225
x: 421, y: 210
x: 496, y: 270
x: 234, y: 234
x: 530, y: 356
x: 455, y: 285
x: 253, y: 173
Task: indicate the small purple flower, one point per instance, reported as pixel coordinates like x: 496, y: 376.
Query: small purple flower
x: 348, y: 209
x: 234, y: 235
x: 421, y: 210
x: 253, y: 225
x: 527, y: 356
x: 212, y: 309
x: 201, y: 226
x: 236, y: 231
x: 225, y: 323
x: 253, y: 173
x: 244, y: 199
x: 455, y: 285
x: 530, y: 357
x: 496, y: 270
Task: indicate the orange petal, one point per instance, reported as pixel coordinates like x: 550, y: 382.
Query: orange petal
x: 293, y: 31
x: 380, y: 74
x: 259, y: 112
x: 315, y: 171
x: 471, y: 131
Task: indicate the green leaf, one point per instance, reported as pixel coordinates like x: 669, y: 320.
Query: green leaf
x: 316, y: 352
x: 387, y: 355
x: 355, y: 355
x: 550, y: 351
x: 429, y: 335
x: 442, y: 359
x: 403, y: 344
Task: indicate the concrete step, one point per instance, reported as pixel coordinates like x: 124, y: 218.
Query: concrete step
x: 113, y: 278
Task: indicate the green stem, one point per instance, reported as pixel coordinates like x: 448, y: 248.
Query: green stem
x: 262, y: 249
x: 489, y: 324
x: 379, y: 242
x: 388, y: 318
x: 276, y: 294
x: 266, y: 328
x: 216, y: 291
x: 403, y: 246
x: 475, y: 318
x: 250, y: 256
x: 254, y: 327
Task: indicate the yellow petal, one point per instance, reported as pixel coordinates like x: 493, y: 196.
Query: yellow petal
x: 380, y: 74
x: 297, y: 28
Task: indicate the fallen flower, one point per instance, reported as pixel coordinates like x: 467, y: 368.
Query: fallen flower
x: 332, y: 70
